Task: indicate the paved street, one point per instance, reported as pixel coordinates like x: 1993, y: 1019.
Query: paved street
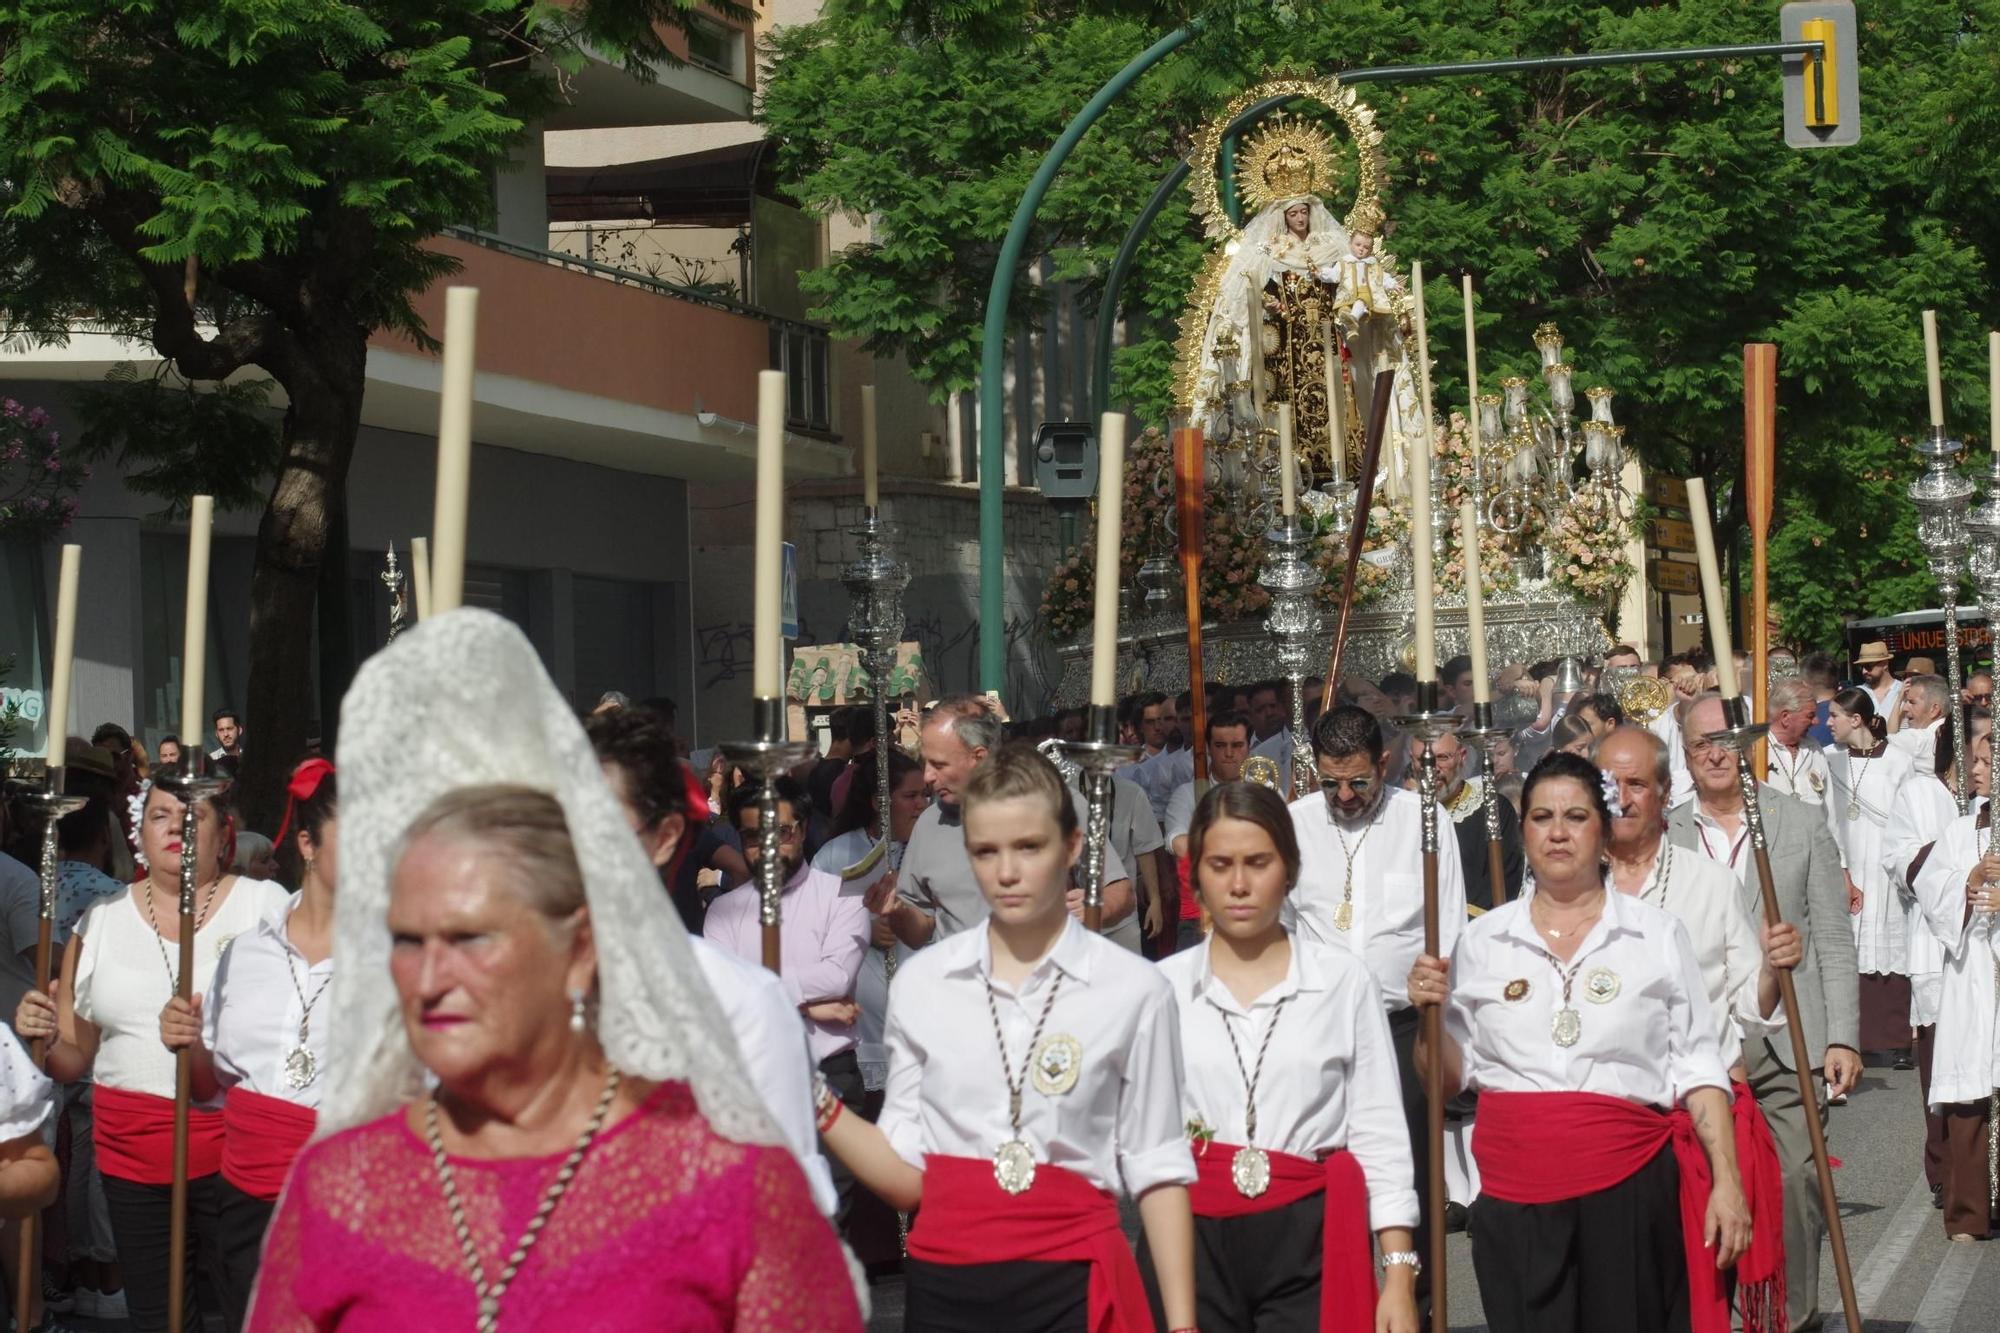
x: 1908, y: 1278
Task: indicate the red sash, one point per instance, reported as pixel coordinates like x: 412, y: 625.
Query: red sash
x: 1601, y: 1142
x: 135, y: 1137
x: 264, y: 1135
x: 966, y: 1218
x: 1347, y: 1257
x: 1760, y: 1273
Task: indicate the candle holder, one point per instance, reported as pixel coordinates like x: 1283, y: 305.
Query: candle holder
x: 187, y: 782
x: 1426, y: 724
x: 875, y: 583
x: 1941, y: 495
x: 764, y: 758
x: 392, y: 579
x: 1294, y: 622
x: 50, y: 803
x: 1482, y: 735
x: 1741, y: 735
x: 1097, y: 755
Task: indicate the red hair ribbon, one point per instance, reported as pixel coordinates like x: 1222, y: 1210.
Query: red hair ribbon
x: 304, y: 785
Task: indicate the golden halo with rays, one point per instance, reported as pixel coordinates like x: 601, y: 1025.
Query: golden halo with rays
x: 1285, y: 159
x: 1355, y: 114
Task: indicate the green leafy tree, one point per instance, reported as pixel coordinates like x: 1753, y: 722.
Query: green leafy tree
x: 1654, y: 212
x: 251, y: 183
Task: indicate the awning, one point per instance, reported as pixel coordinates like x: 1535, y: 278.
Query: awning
x: 712, y: 188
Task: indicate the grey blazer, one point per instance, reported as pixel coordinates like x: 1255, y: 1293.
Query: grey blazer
x: 1812, y: 895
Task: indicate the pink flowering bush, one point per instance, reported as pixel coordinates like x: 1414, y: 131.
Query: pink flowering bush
x: 38, y: 481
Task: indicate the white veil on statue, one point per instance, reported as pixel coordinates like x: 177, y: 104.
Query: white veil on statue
x: 462, y: 700
x: 1264, y: 250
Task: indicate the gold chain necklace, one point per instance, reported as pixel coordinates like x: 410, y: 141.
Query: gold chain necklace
x: 489, y: 1297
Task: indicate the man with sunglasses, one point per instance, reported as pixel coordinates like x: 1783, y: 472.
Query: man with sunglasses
x: 1361, y: 888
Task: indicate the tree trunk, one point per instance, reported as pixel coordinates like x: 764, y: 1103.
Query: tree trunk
x: 325, y: 386
x: 336, y: 622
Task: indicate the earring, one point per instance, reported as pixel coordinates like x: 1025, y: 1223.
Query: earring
x: 577, y: 1018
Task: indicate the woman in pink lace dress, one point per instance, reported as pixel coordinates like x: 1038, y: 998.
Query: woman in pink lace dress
x: 589, y: 1158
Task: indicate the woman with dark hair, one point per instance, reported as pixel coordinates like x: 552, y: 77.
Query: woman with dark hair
x: 103, y: 1019
x: 253, y: 1035
x: 1018, y: 1147
x: 1868, y: 774
x: 1292, y: 1097
x: 1581, y: 1018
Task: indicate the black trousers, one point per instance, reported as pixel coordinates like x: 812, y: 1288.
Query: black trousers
x: 1609, y: 1260
x: 1403, y: 1032
x: 243, y: 1221
x: 842, y: 1071
x: 1021, y: 1297
x: 1259, y: 1273
x: 141, y: 1226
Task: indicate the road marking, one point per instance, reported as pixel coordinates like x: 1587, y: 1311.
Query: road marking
x: 1888, y: 1253
x: 1954, y: 1276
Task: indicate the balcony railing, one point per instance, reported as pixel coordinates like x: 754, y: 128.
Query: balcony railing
x: 799, y: 348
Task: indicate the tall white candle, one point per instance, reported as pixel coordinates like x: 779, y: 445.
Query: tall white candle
x: 63, y: 662
x: 1110, y: 528
x: 420, y: 574
x: 1934, y: 378
x: 1336, y: 415
x: 454, y: 455
x: 766, y: 676
x: 1420, y: 497
x: 1288, y: 463
x: 1475, y: 601
x: 1714, y: 605
x: 1471, y: 368
x: 870, y: 491
x: 194, y: 636
x: 1993, y: 389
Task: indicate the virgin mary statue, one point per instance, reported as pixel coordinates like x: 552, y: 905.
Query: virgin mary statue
x: 1302, y: 311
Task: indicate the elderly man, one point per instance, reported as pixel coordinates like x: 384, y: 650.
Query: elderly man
x: 1464, y: 798
x: 1796, y: 766
x: 1926, y: 701
x: 1812, y: 895
x: 933, y: 893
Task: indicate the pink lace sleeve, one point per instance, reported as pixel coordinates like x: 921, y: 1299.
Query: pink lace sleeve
x: 798, y: 1278
x: 274, y: 1304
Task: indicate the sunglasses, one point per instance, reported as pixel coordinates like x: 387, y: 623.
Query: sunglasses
x: 1359, y: 786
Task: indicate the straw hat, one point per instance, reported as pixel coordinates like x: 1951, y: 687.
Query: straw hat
x: 1920, y: 666
x: 1872, y: 652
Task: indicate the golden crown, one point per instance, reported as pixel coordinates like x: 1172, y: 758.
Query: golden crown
x: 1286, y: 159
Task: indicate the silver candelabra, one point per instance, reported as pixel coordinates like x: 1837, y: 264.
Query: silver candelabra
x: 875, y: 583
x: 1941, y: 495
x: 1293, y: 620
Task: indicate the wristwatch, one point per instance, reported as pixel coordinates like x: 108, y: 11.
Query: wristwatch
x: 1409, y: 1259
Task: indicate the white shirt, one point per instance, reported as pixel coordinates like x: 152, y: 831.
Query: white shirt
x: 1119, y: 1126
x: 1887, y: 705
x: 1329, y: 1080
x: 1920, y: 743
x: 1803, y: 773
x: 871, y: 986
x: 122, y: 980
x: 1728, y: 848
x: 1709, y: 902
x: 251, y: 1012
x: 1965, y: 1052
x: 771, y: 1038
x: 1387, y: 930
x: 26, y: 1095
x: 1649, y: 1041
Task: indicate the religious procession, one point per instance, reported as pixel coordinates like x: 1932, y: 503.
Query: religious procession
x: 594, y: 741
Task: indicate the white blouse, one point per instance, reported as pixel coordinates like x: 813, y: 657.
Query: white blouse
x: 1965, y: 1053
x: 1117, y: 1124
x: 1709, y: 902
x: 253, y: 1009
x: 1329, y: 1077
x: 1642, y: 1016
x: 126, y: 973
x: 27, y: 1097
x: 1386, y: 929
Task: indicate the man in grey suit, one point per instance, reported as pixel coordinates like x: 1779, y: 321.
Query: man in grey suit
x: 1812, y: 895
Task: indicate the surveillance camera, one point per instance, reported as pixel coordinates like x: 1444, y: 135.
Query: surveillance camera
x: 705, y: 417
